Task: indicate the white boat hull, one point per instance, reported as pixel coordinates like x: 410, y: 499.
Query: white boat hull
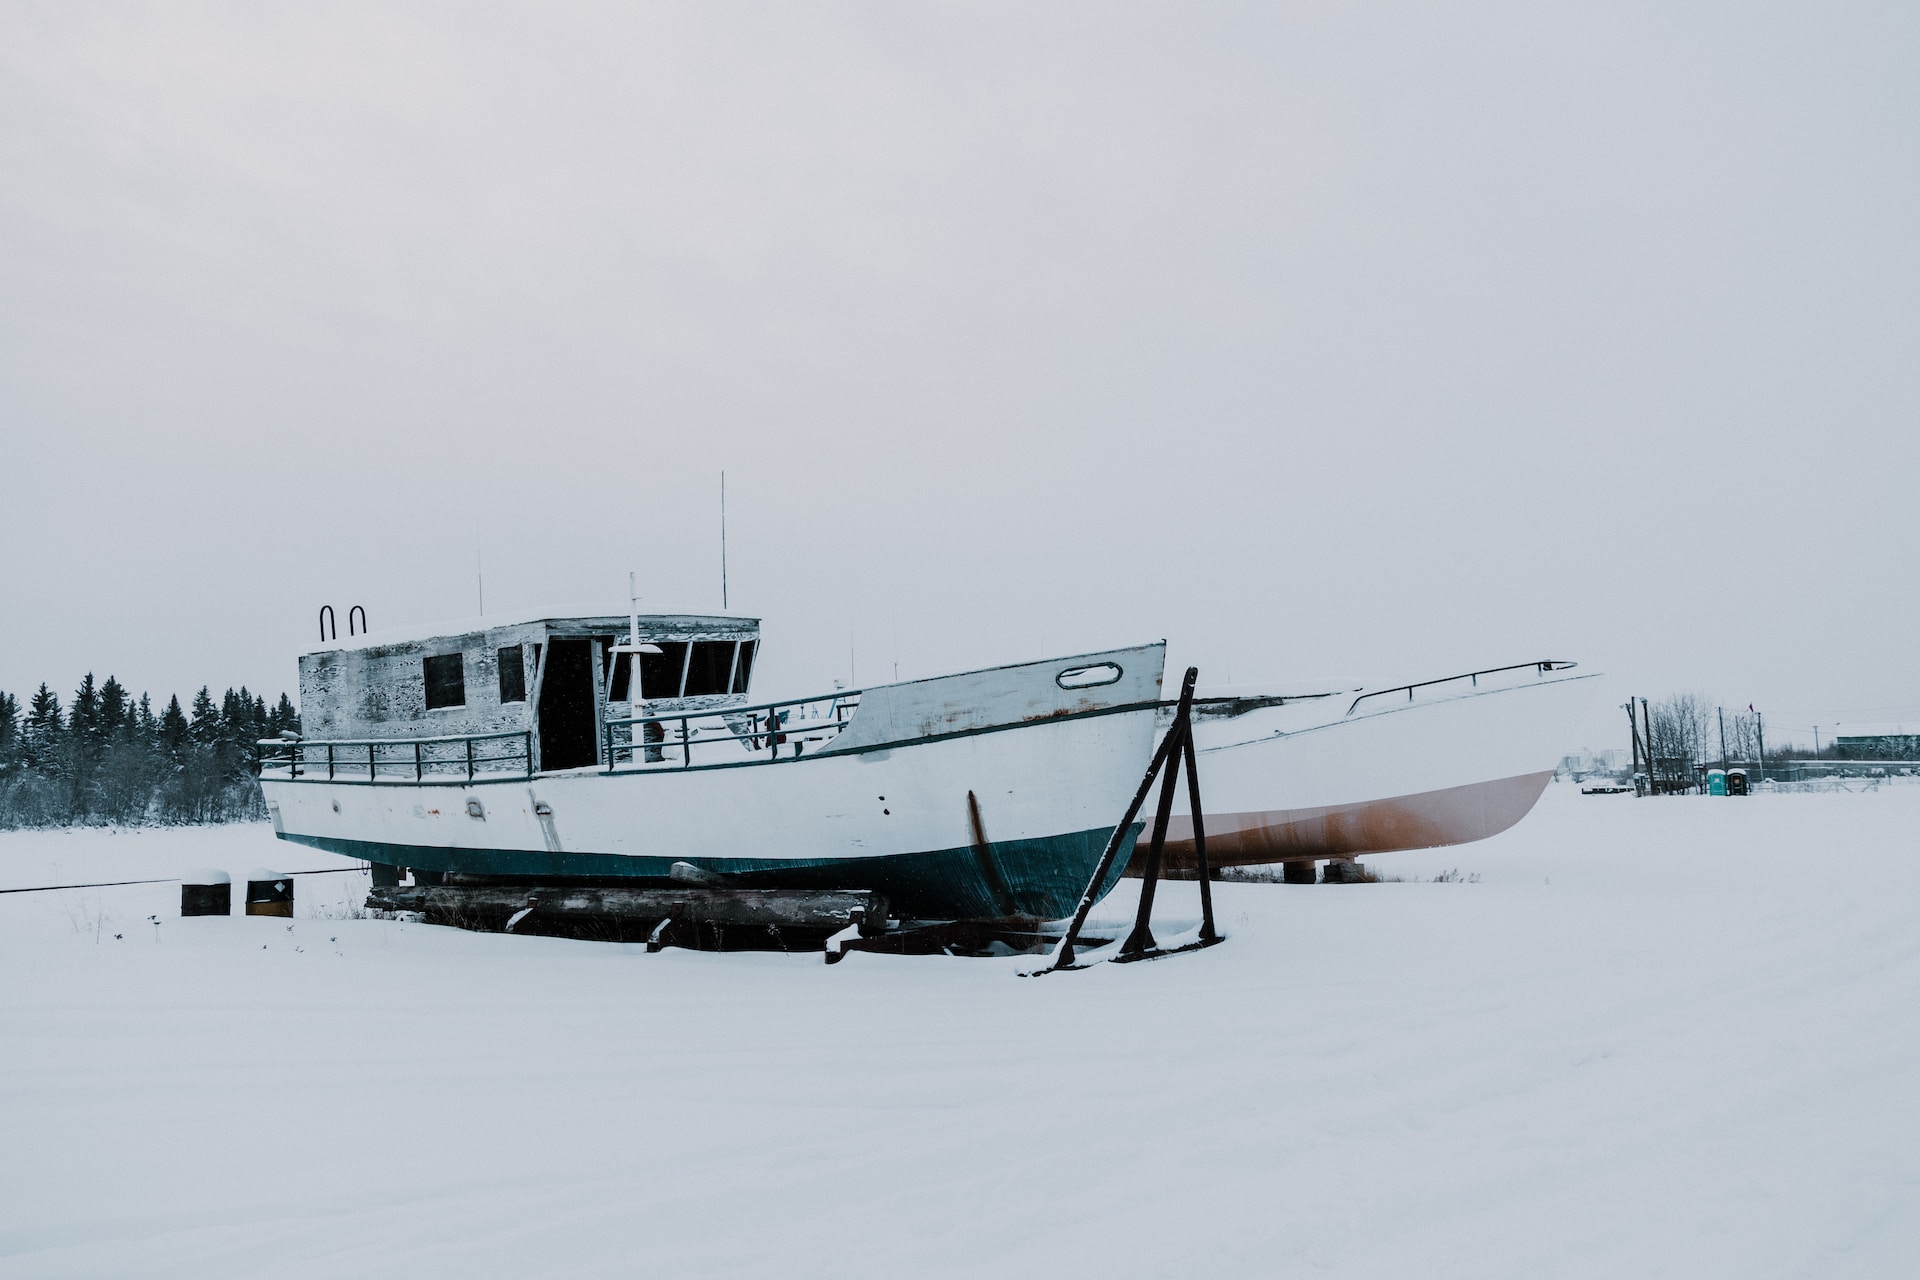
x: 1436, y: 769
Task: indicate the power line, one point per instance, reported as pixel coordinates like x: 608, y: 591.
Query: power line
x: 114, y: 884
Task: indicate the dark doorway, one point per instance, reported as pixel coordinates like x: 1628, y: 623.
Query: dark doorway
x: 566, y: 706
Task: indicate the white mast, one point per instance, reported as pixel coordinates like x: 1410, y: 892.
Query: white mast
x: 632, y: 649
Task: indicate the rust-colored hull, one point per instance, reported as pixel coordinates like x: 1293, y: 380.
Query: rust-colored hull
x: 1430, y: 819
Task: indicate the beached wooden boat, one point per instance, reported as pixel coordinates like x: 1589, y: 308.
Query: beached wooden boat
x: 599, y: 747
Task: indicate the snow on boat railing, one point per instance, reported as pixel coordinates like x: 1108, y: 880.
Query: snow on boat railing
x: 1541, y: 668
x: 454, y: 757
x: 728, y: 735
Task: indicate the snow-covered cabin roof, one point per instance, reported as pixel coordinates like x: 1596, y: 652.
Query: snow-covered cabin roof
x: 582, y: 618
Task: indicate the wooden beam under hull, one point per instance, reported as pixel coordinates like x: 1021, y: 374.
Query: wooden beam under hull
x: 787, y: 908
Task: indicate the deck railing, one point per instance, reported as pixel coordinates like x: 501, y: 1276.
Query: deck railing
x: 1541, y: 668
x: 760, y: 734
x: 453, y: 758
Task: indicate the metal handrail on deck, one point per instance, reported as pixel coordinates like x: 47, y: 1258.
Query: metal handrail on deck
x: 771, y: 725
x: 418, y: 759
x: 1542, y: 667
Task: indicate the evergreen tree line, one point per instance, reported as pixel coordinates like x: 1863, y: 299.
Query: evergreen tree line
x: 108, y: 758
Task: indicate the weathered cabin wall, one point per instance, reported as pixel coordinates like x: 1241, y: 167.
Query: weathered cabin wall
x: 379, y: 690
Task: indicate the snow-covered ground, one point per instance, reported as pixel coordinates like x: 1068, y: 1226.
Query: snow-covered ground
x: 1674, y: 1037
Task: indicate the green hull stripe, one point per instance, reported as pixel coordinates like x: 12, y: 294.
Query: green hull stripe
x: 1044, y: 878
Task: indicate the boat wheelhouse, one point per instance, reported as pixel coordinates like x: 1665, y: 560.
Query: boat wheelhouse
x: 531, y: 694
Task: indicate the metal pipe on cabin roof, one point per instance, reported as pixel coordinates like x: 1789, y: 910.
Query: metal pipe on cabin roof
x: 633, y: 608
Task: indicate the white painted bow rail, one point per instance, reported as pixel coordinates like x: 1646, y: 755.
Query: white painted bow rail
x: 453, y: 759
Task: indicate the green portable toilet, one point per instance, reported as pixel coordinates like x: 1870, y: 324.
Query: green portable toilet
x: 1716, y: 782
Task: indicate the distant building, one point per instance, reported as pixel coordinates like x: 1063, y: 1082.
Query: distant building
x: 1877, y: 741
x: 1582, y: 764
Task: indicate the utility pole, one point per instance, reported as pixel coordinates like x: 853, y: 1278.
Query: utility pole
x: 1722, y: 713
x: 1633, y: 732
x: 1760, y: 736
x: 1816, y: 742
x: 1646, y: 720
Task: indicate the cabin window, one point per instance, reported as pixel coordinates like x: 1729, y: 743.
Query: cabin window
x: 660, y: 672
x: 620, y: 681
x: 446, y: 681
x: 709, y: 667
x: 513, y: 675
x: 744, y: 667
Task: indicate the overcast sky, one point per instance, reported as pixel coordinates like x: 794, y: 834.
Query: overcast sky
x: 1320, y: 339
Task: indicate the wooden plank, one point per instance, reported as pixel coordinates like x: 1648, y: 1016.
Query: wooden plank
x: 959, y: 938
x: 791, y: 908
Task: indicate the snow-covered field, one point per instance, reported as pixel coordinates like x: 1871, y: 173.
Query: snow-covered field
x: 1675, y: 1037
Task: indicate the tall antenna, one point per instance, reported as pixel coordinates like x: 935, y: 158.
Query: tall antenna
x: 480, y: 580
x: 723, y: 540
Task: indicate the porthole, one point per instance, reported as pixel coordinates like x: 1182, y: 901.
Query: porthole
x: 1088, y: 677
